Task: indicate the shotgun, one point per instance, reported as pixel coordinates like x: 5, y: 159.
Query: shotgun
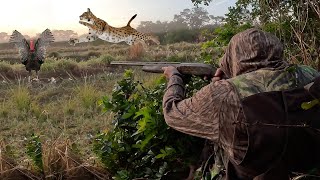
x: 197, y: 69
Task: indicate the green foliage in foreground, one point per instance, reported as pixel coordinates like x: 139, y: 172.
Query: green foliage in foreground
x: 141, y: 144
x: 34, y: 151
x: 212, y: 51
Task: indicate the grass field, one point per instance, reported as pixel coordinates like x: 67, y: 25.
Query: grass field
x: 87, y: 59
x: 65, y: 110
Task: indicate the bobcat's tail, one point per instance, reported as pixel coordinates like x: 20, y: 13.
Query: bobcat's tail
x: 134, y: 16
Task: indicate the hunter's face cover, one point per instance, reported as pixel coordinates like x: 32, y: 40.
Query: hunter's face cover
x: 251, y: 50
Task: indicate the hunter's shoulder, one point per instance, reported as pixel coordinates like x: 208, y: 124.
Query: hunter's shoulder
x: 222, y: 88
x: 223, y: 83
x: 307, y: 70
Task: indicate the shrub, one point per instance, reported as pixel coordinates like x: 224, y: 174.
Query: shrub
x: 54, y: 55
x: 213, y: 50
x: 140, y: 143
x: 21, y: 98
x: 106, y: 59
x: 34, y: 151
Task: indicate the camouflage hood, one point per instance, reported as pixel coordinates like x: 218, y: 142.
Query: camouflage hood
x: 250, y: 50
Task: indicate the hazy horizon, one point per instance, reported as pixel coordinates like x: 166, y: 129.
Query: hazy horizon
x: 31, y: 17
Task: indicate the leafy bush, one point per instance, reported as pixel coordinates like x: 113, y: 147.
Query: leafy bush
x: 34, y: 151
x: 213, y: 50
x: 140, y: 143
x: 106, y: 59
x: 5, y: 67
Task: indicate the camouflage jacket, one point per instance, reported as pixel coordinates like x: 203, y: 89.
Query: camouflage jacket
x: 243, y: 114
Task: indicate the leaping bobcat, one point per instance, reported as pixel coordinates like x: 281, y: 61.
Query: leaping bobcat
x: 98, y: 28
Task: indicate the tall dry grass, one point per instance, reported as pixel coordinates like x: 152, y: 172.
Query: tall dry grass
x: 136, y: 52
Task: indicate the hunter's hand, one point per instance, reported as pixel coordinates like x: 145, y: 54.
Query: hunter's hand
x: 169, y: 71
x: 218, y: 75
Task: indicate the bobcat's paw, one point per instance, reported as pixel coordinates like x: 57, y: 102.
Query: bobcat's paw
x: 73, y: 41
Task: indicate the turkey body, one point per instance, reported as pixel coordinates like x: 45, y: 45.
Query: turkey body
x: 32, y: 54
x: 32, y: 63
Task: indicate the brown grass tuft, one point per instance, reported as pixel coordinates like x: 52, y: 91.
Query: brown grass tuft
x: 60, y: 162
x: 136, y: 52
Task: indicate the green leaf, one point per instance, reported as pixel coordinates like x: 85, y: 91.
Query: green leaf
x: 142, y: 144
x: 168, y: 151
x: 145, y: 112
x: 310, y: 104
x: 127, y: 115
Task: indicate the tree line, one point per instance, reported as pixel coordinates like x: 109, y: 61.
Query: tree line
x: 189, y: 25
x: 194, y: 18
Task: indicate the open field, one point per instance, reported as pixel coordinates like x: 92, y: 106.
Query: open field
x: 66, y: 109
x: 87, y: 59
x: 62, y: 107
x: 62, y: 113
x: 85, y: 51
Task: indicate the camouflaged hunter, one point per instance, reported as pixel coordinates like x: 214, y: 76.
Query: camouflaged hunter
x: 255, y: 115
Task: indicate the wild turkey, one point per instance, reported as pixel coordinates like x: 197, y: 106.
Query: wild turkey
x: 32, y: 53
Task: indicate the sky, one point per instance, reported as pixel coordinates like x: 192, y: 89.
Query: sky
x: 34, y: 16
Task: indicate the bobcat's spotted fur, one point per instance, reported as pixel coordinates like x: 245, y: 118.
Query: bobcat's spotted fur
x: 98, y: 28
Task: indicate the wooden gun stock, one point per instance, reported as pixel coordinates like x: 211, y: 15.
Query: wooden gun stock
x: 197, y: 69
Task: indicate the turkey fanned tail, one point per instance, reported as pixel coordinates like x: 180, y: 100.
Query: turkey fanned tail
x: 45, y: 38
x: 21, y: 43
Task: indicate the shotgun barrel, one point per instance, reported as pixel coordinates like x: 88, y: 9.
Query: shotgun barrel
x: 197, y: 69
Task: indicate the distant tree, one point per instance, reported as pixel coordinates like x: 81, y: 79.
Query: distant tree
x: 160, y: 27
x: 216, y: 20
x: 149, y: 26
x: 177, y: 25
x: 145, y: 26
x: 195, y: 18
x: 187, y: 19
